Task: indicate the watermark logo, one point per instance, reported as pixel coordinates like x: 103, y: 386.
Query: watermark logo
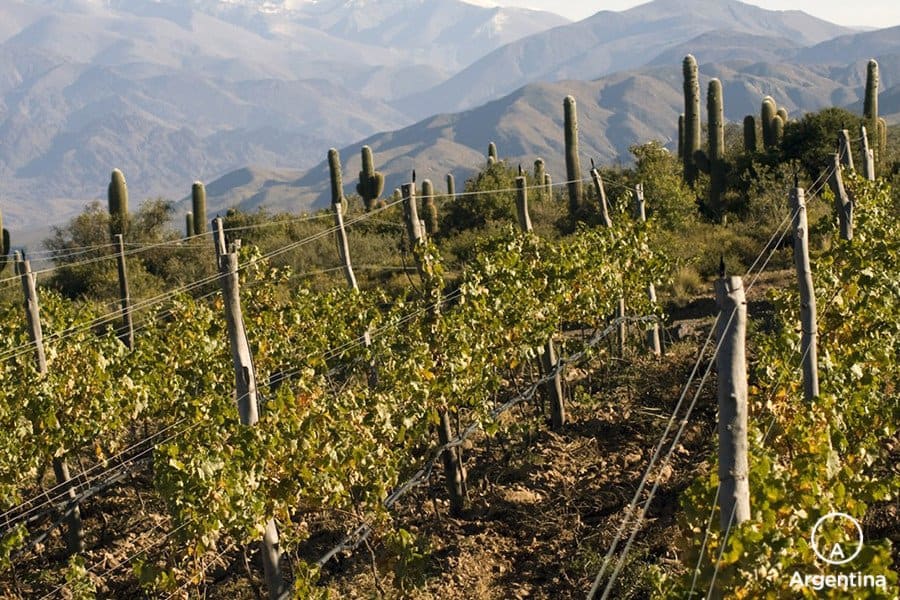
x: 836, y: 554
x: 837, y: 539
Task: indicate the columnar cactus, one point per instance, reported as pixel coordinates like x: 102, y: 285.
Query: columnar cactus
x: 198, y: 204
x: 4, y: 245
x: 548, y: 185
x: 117, y: 196
x: 767, y: 114
x: 371, y: 182
x: 874, y: 123
x: 691, y: 118
x: 783, y: 113
x: 750, y: 142
x: 713, y: 161
x: 573, y: 162
x: 777, y: 130
x: 539, y: 171
x: 337, y: 182
x: 681, y: 137
x: 870, y: 101
x: 189, y: 225
x: 429, y: 208
x: 492, y: 157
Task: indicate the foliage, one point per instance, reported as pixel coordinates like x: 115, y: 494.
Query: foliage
x: 480, y: 203
x: 811, y: 458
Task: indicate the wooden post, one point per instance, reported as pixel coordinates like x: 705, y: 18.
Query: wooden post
x: 553, y: 388
x: 245, y: 387
x: 808, y: 343
x: 731, y: 364
x: 74, y: 530
x: 868, y: 156
x: 411, y: 212
x: 653, y: 332
x: 601, y: 196
x: 522, y: 205
x: 343, y: 246
x: 620, y: 315
x: 842, y: 202
x: 126, y: 332
x: 344, y: 252
x: 639, y: 210
x: 453, y: 469
x: 218, y: 237
x: 846, y: 151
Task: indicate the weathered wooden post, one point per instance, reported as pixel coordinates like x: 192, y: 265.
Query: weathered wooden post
x: 245, y: 387
x: 549, y: 363
x: 126, y: 332
x: 454, y: 471
x: 620, y: 327
x: 842, y: 202
x: 218, y: 237
x: 846, y: 150
x: 653, y: 342
x: 74, y: 530
x: 868, y: 156
x: 731, y: 364
x: 640, y: 212
x: 601, y: 197
x: 808, y: 344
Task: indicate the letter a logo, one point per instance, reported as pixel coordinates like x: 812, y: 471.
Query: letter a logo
x: 837, y: 553
x: 838, y: 522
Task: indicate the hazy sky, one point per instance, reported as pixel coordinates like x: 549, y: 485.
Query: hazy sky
x: 872, y: 13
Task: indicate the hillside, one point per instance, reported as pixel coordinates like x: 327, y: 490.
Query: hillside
x: 614, y: 112
x: 171, y: 92
x: 611, y: 42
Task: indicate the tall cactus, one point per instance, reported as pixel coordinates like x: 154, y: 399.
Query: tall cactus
x: 691, y: 118
x: 429, y: 208
x: 573, y: 162
x: 767, y: 113
x: 777, y: 130
x: 189, y: 225
x: 198, y: 204
x: 451, y: 187
x: 371, y: 182
x: 750, y: 141
x: 874, y: 123
x: 4, y: 245
x: 783, y: 113
x: 870, y: 101
x: 681, y: 137
x: 713, y: 161
x: 117, y: 195
x: 492, y: 157
x: 337, y: 182
x: 539, y: 171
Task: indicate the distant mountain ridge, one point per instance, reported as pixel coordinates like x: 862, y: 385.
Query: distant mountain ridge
x: 175, y: 91
x: 610, y: 42
x: 614, y: 112
x: 172, y: 91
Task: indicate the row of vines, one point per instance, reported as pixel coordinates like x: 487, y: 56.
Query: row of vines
x: 328, y: 440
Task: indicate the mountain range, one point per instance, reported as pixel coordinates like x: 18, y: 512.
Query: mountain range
x: 250, y: 94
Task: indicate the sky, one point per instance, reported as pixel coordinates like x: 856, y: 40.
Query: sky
x: 868, y: 13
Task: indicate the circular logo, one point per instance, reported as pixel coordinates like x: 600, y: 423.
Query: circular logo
x: 836, y: 554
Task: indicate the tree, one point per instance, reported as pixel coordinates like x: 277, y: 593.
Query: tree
x: 812, y: 140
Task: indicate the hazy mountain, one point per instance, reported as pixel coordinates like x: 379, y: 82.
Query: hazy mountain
x: 175, y: 90
x: 614, y: 112
x: 610, y: 42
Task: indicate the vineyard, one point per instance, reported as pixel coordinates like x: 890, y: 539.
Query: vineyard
x: 514, y: 395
